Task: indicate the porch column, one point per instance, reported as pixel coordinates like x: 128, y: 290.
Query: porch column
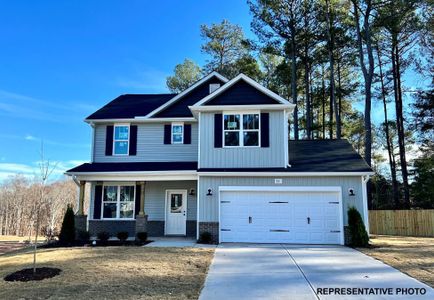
x: 80, y: 211
x: 80, y: 218
x: 142, y: 199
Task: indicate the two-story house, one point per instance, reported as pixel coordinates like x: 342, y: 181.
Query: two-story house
x: 217, y: 158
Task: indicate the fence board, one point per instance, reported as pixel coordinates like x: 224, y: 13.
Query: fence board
x: 402, y: 222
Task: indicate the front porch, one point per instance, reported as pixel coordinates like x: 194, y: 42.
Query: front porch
x: 160, y: 208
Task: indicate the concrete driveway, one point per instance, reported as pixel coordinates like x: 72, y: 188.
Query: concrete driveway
x: 255, y: 271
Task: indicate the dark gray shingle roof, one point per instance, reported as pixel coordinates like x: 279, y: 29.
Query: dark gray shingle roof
x: 130, y: 106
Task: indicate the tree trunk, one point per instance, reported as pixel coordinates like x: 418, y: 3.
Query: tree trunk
x: 294, y: 82
x: 339, y: 93
x: 308, y: 104
x: 333, y: 103
x: 367, y: 73
x: 400, y: 118
x: 391, y: 155
x: 323, y: 92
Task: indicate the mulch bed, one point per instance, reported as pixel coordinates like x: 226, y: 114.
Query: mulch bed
x: 57, y: 244
x: 28, y: 275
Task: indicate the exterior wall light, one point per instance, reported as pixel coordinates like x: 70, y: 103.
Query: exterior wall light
x: 209, y: 192
x: 192, y: 192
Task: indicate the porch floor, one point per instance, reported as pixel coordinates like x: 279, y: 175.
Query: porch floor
x: 176, y: 241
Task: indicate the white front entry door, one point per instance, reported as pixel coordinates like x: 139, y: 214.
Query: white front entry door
x: 176, y: 212
x: 302, y: 217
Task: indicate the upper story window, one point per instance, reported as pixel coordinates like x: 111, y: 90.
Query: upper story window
x: 177, y: 133
x: 121, y: 139
x: 118, y: 202
x: 241, y: 130
x: 213, y: 87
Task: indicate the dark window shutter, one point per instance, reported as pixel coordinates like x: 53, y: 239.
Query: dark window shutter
x: 187, y: 133
x: 97, y: 202
x: 218, y: 134
x: 167, y: 134
x: 109, y: 140
x: 133, y: 140
x: 265, y: 130
x: 137, y: 204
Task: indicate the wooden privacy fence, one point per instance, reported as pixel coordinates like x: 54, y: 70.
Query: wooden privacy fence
x: 402, y: 222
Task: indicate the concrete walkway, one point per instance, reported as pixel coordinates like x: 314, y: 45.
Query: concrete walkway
x: 254, y: 271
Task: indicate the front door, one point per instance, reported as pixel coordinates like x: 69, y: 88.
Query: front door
x: 176, y: 212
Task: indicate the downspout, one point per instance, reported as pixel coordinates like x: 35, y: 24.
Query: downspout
x: 365, y: 179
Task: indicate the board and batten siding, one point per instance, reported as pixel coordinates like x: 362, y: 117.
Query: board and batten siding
x: 150, y: 146
x: 208, y: 205
x: 242, y: 157
x: 155, y: 197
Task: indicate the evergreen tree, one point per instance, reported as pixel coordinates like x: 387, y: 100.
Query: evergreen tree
x: 67, y: 233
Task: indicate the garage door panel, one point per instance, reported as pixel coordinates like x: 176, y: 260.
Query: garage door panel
x: 280, y: 217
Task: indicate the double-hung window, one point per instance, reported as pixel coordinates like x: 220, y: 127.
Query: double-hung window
x: 121, y: 137
x: 118, y: 202
x: 241, y: 130
x: 177, y: 133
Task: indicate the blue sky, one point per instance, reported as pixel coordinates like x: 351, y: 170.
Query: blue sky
x: 62, y: 60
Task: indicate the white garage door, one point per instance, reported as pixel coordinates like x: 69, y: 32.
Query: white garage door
x: 295, y: 216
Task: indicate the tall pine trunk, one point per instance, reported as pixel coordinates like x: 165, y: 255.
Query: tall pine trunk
x: 333, y: 103
x: 391, y: 156
x: 323, y: 102
x: 294, y: 83
x: 367, y: 73
x: 400, y: 118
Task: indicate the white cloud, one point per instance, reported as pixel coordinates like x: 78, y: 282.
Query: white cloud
x: 29, y: 137
x: 32, y: 170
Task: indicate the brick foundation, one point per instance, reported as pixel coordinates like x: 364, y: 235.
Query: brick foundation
x: 112, y: 227
x: 80, y: 223
x: 141, y: 224
x: 211, y: 227
x: 347, y: 235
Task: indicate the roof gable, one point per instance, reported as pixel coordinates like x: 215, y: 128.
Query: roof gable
x: 242, y: 90
x: 242, y: 93
x: 180, y: 108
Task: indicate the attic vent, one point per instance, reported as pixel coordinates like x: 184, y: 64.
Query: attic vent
x: 213, y: 87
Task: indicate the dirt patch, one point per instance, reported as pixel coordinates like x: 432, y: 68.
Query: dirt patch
x: 29, y: 275
x: 411, y: 255
x: 110, y: 273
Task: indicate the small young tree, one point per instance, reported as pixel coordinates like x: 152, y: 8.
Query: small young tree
x: 359, y: 236
x: 46, y: 168
x: 67, y: 233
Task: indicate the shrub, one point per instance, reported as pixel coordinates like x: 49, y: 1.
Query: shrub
x: 103, y: 236
x: 205, y: 237
x: 122, y: 236
x: 67, y: 233
x: 83, y: 236
x: 49, y: 233
x: 142, y: 236
x: 358, y: 234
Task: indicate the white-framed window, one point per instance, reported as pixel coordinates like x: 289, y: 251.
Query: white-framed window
x: 121, y: 137
x: 213, y: 87
x: 118, y: 201
x: 177, y: 133
x: 241, y: 129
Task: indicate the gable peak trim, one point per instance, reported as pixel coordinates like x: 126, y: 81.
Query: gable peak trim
x: 248, y: 80
x: 185, y: 92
